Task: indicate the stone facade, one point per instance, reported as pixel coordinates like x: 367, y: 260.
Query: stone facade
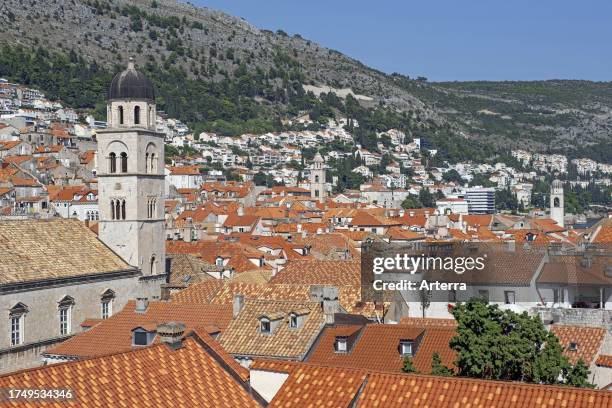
x: 131, y: 184
x: 41, y: 321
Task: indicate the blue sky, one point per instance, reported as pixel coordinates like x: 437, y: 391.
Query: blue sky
x: 450, y: 39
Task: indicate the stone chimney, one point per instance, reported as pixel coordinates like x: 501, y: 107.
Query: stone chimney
x: 237, y: 305
x: 171, y: 333
x: 328, y: 297
x: 142, y: 304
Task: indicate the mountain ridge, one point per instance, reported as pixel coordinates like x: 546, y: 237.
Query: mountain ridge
x: 210, y: 47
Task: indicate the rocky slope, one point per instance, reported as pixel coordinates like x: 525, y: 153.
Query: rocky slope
x: 573, y: 116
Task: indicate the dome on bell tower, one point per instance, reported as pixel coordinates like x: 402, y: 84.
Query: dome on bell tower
x: 131, y: 85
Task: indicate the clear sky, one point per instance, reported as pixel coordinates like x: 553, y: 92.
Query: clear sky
x: 450, y: 39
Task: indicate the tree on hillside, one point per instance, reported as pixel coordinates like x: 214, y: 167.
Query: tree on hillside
x: 411, y: 202
x: 504, y: 345
x: 426, y: 198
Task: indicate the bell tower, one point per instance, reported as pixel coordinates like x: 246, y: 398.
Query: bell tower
x: 131, y: 174
x: 317, y: 178
x: 557, y: 213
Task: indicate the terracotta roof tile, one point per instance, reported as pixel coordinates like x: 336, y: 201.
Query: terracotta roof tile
x: 149, y: 377
x: 376, y: 347
x: 25, y: 246
x: 588, y: 341
x: 243, y: 336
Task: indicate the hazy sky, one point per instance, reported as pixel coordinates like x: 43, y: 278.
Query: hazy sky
x: 450, y: 39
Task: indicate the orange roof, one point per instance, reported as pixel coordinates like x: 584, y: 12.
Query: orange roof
x: 316, y: 385
x: 149, y: 377
x: 375, y: 347
x: 315, y: 272
x: 309, y: 386
x: 604, y: 235
x: 400, y: 234
x: 604, y: 360
x: 9, y: 144
x: 235, y: 220
x: 49, y: 149
x: 24, y: 182
x: 364, y: 218
x: 114, y: 335
x: 184, y: 171
x: 587, y: 339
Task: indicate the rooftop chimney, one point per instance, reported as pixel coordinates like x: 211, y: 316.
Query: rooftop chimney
x: 240, y: 210
x: 142, y: 304
x: 237, y: 305
x: 171, y: 333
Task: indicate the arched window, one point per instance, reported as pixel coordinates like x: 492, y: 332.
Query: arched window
x: 124, y: 164
x: 112, y: 163
x: 153, y: 163
x: 317, y: 178
x: 137, y: 115
x: 112, y: 205
x: 153, y: 265
x: 123, y: 209
x: 147, y: 162
x: 556, y: 202
x: 118, y: 209
x: 121, y: 115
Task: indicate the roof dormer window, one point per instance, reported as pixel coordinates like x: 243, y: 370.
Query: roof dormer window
x: 264, y: 325
x: 293, y: 321
x: 341, y: 345
x: 142, y: 336
x: 573, y: 346
x: 406, y: 348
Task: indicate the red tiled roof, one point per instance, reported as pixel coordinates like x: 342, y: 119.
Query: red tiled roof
x: 587, y: 339
x: 376, y: 347
x: 199, y: 374
x: 604, y: 360
x: 114, y: 335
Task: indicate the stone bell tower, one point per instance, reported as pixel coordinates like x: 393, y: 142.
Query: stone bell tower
x: 131, y: 174
x: 317, y: 178
x: 557, y: 213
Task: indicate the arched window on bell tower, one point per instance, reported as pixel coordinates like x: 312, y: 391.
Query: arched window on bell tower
x: 112, y: 206
x: 117, y: 209
x: 137, y: 115
x: 147, y: 162
x: 556, y: 202
x: 112, y: 163
x: 124, y: 162
x: 153, y: 265
x: 123, y: 209
x: 120, y: 109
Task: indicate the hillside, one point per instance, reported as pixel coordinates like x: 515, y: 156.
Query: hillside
x: 218, y: 72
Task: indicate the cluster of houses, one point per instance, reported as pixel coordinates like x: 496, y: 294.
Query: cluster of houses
x: 130, y: 282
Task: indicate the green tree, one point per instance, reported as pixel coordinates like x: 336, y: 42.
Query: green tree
x: 453, y: 175
x: 437, y: 368
x: 411, y: 202
x: 408, y: 366
x: 426, y: 198
x: 577, y: 375
x: 504, y: 345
